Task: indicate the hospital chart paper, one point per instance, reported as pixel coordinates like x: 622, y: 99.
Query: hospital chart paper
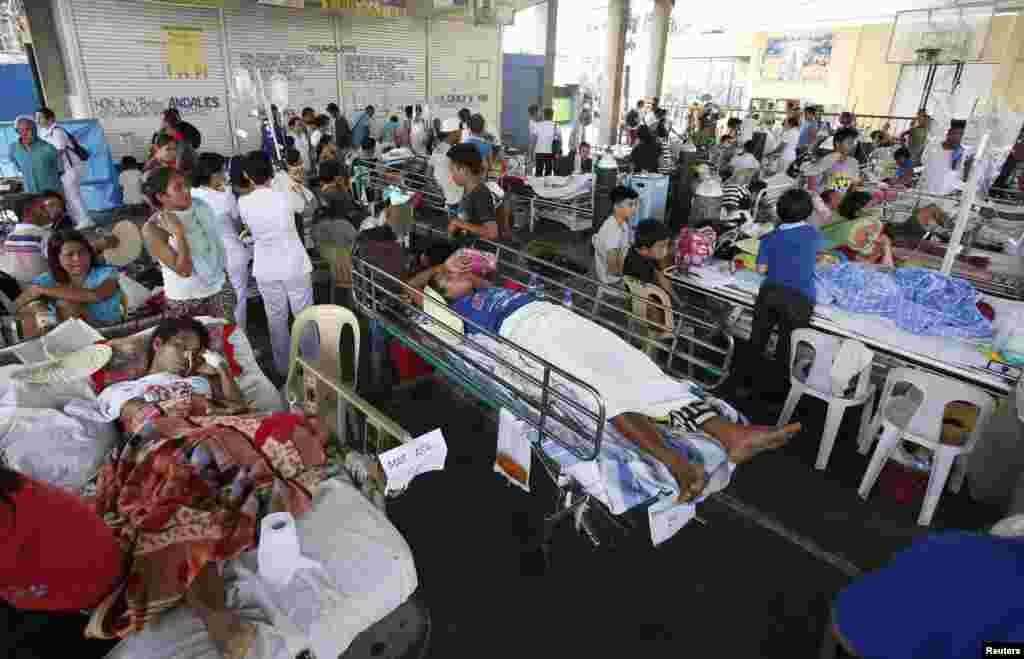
x: 425, y: 453
x: 666, y: 517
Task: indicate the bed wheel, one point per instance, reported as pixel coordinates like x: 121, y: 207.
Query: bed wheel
x: 402, y: 634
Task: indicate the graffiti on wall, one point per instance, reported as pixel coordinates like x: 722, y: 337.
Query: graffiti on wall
x: 460, y: 100
x: 379, y: 69
x: 289, y: 65
x: 122, y: 107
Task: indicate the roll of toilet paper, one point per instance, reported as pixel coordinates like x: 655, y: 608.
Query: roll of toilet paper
x: 279, y: 555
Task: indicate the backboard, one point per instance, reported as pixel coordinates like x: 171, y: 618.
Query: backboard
x: 941, y: 36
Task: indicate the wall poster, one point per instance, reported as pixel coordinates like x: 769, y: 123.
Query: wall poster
x: 798, y: 58
x: 185, y: 53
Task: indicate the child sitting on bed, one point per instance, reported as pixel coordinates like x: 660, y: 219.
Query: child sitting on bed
x: 600, y: 358
x: 787, y: 256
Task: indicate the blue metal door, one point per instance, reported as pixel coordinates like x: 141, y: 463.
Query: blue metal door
x: 522, y: 85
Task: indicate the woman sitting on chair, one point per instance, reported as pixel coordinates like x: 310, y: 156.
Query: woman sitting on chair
x: 76, y: 286
x: 635, y: 390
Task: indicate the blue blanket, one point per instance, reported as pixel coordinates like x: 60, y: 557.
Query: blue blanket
x: 918, y: 300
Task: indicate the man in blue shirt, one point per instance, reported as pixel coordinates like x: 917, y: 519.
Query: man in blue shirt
x: 476, y: 129
x: 361, y: 127
x: 36, y: 159
x: 786, y: 299
x: 808, y: 129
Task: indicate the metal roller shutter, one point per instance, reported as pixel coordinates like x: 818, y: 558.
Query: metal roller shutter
x: 465, y: 70
x: 125, y: 63
x: 298, y: 44
x: 388, y: 66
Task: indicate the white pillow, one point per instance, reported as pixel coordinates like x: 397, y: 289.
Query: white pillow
x: 64, y: 449
x: 21, y: 394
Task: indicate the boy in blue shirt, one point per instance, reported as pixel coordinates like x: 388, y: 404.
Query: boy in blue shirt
x: 787, y: 256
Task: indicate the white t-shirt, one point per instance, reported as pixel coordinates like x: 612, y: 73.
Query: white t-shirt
x: 613, y: 235
x: 167, y: 386
x: 192, y: 287
x: 790, y: 136
x: 442, y: 174
x: 280, y: 254
x: 131, y: 183
x: 545, y: 132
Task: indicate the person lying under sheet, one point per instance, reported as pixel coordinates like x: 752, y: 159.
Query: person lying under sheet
x: 189, y: 486
x: 635, y: 390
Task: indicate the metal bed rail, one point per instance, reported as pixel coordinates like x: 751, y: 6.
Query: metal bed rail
x: 325, y: 385
x: 411, y: 175
x: 391, y: 303
x: 577, y: 213
x: 394, y: 312
x: 697, y: 339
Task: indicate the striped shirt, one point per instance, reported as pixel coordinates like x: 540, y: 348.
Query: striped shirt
x: 736, y: 197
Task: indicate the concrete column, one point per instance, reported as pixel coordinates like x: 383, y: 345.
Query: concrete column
x: 47, y: 53
x: 611, y: 103
x: 658, y: 41
x: 550, y: 52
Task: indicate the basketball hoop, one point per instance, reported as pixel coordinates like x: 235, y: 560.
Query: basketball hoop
x: 927, y: 55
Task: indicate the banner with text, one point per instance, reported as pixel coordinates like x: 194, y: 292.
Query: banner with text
x: 378, y: 8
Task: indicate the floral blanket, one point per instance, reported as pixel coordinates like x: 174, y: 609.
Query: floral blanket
x: 190, y: 486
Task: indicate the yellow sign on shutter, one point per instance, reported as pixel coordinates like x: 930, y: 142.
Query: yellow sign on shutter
x: 380, y: 8
x: 185, y: 53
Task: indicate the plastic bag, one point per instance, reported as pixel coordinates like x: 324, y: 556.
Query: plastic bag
x: 695, y: 247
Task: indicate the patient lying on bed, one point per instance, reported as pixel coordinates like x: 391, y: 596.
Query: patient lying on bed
x: 635, y: 390
x: 189, y: 486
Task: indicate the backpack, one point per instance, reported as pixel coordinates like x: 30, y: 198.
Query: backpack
x: 75, y: 147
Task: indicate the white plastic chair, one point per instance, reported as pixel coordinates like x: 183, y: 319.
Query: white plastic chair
x: 863, y: 394
x: 641, y: 294
x: 923, y: 426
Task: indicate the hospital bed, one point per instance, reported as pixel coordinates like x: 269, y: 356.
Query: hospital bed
x: 562, y: 416
x: 983, y: 261
x: 893, y: 347
x: 689, y: 341
x: 372, y: 602
x: 568, y: 200
x: 410, y: 175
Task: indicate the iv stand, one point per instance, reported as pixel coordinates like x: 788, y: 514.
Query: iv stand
x: 966, y: 202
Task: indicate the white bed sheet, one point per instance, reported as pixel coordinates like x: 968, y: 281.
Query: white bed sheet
x: 364, y: 554
x: 369, y: 561
x: 575, y: 186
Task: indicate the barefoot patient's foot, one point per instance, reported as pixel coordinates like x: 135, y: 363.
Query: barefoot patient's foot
x: 232, y: 635
x: 748, y: 441
x: 691, y: 479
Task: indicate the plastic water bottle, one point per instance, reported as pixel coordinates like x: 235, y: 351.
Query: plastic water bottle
x: 567, y: 297
x: 534, y: 286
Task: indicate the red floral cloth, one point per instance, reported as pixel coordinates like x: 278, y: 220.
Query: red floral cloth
x: 174, y: 513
